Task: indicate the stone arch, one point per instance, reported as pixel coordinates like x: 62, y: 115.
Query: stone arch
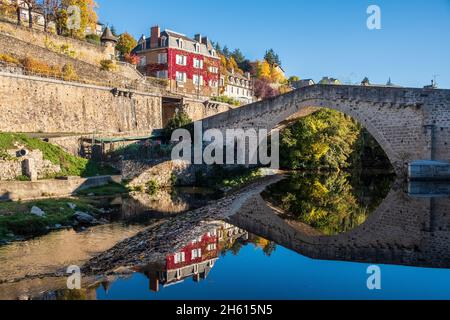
x: 306, y: 107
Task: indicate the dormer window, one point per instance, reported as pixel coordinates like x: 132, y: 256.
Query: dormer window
x: 163, y: 41
x: 197, y: 47
x: 213, y: 52
x: 180, y: 43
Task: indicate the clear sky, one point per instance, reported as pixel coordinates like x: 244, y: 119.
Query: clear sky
x: 313, y: 38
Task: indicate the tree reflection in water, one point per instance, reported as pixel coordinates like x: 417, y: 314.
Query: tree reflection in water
x: 331, y: 203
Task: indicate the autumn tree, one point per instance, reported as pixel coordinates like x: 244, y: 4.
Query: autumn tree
x: 87, y: 16
x: 263, y: 70
x: 126, y: 43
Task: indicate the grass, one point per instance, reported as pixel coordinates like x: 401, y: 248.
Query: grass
x: 106, y: 190
x: 229, y: 178
x: 70, y: 164
x: 15, y: 217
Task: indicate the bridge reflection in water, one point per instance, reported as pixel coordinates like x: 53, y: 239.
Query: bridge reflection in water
x: 411, y: 229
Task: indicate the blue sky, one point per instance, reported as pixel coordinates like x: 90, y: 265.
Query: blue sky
x: 313, y: 38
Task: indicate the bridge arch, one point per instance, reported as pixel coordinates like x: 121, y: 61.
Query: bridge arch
x: 402, y: 120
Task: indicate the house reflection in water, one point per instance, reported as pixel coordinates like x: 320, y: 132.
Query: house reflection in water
x: 195, y: 259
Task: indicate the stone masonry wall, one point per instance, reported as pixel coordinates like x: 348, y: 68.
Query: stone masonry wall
x: 83, y: 50
x: 30, y: 104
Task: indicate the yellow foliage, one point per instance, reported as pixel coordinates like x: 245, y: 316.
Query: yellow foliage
x: 276, y: 75
x: 320, y: 149
x: 263, y: 69
x: 40, y: 67
x: 8, y: 59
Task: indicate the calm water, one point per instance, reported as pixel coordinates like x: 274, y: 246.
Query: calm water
x: 333, y: 227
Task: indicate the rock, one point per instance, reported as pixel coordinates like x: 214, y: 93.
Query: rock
x: 37, y: 212
x: 10, y: 235
x: 83, y: 217
x: 58, y: 226
x: 91, y: 194
x: 72, y: 206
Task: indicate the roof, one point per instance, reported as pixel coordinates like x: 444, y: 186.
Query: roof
x: 206, y: 46
x: 108, y: 36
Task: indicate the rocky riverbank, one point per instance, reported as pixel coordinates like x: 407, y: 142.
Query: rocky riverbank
x: 154, y: 243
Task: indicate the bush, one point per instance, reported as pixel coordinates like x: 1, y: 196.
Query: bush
x: 180, y: 120
x: 152, y: 187
x: 228, y: 100
x: 69, y: 72
x: 93, y: 39
x: 40, y: 67
x: 107, y: 65
x: 9, y: 59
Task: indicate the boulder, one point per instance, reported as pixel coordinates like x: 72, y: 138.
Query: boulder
x: 37, y: 211
x: 83, y: 217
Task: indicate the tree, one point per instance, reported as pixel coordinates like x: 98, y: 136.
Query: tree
x: 246, y: 66
x: 263, y: 89
x: 126, y: 43
x: 50, y: 10
x: 226, y: 52
x: 263, y: 70
x: 293, y: 79
x: 88, y: 17
x: 30, y: 4
x: 238, y: 56
x: 180, y: 120
x: 272, y: 58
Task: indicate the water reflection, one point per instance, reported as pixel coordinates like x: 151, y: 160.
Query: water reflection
x: 328, y: 203
x: 263, y: 252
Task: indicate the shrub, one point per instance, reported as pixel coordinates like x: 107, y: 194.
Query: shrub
x: 131, y: 58
x: 69, y: 72
x: 38, y: 66
x: 94, y: 39
x: 228, y: 100
x: 107, y: 65
x: 8, y: 59
x: 152, y: 187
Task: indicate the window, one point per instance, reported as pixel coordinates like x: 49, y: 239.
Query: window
x: 162, y: 74
x: 213, y: 83
x: 163, y: 41
x: 212, y: 247
x: 180, y: 43
x: 196, y: 253
x: 181, y: 60
x: 143, y: 61
x: 198, y: 80
x: 213, y: 53
x: 162, y: 58
x: 213, y: 69
x: 197, y: 47
x: 198, y: 64
x: 180, y: 257
x: 181, y: 76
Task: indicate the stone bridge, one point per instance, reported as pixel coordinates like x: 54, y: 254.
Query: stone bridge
x: 403, y: 230
x: 409, y: 124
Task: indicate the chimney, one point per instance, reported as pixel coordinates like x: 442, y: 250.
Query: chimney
x: 205, y: 40
x: 155, y: 34
x: 198, y: 37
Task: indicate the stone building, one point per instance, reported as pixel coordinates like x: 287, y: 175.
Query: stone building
x: 109, y: 41
x: 191, y: 66
x: 237, y: 86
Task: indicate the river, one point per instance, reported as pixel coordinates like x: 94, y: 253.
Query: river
x: 300, y: 236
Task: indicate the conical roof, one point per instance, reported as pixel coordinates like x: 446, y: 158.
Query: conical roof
x: 108, y: 36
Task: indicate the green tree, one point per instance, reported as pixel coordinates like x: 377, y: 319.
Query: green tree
x: 324, y: 139
x: 179, y: 120
x: 272, y: 58
x: 238, y: 56
x: 126, y: 43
